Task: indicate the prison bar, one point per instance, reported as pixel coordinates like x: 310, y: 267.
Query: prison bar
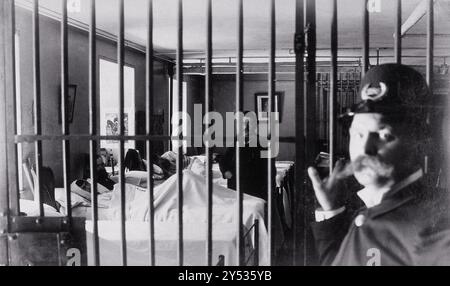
x: 4, y: 189
x: 9, y: 200
x: 256, y: 239
x: 239, y: 109
x: 180, y: 142
x: 11, y: 105
x: 365, y: 31
x: 429, y: 63
x: 310, y: 87
x: 148, y: 123
x: 398, y: 31
x: 333, y: 90
x: 121, y: 63
x: 4, y: 194
x: 271, y: 102
x: 208, y: 109
x: 303, y: 112
x: 378, y: 56
x: 310, y: 112
x: 93, y: 128
x: 170, y: 103
x: 37, y: 105
x: 64, y: 123
x: 298, y: 221
x: 430, y: 44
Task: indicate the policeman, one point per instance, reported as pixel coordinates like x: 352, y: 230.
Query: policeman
x: 402, y: 221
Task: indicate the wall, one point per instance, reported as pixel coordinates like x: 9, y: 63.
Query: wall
x: 78, y: 74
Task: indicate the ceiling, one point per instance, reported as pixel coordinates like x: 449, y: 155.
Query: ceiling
x: 256, y: 25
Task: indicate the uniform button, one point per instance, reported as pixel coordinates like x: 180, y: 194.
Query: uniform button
x: 359, y: 220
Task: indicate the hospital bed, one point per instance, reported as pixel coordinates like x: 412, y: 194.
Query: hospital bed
x: 194, y: 220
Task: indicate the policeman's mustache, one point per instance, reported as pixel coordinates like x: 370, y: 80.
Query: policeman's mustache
x: 374, y: 163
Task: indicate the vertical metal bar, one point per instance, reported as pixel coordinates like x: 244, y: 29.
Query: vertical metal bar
x: 37, y: 105
x: 148, y: 123
x: 430, y: 43
x: 333, y: 81
x: 297, y: 218
x: 180, y: 142
x: 310, y: 87
x: 271, y: 89
x: 6, y: 95
x: 378, y: 58
x: 239, y: 109
x: 430, y: 64
x: 121, y: 62
x: 343, y: 106
x: 366, y: 48
x: 64, y: 120
x: 93, y: 128
x: 208, y: 109
x: 170, y: 73
x: 398, y: 30
x: 256, y: 239
x: 310, y: 112
x: 4, y: 188
x: 13, y: 183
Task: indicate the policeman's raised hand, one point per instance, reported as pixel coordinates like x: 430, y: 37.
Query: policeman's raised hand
x: 329, y: 192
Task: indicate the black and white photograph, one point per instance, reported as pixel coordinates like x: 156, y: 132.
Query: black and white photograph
x: 168, y: 155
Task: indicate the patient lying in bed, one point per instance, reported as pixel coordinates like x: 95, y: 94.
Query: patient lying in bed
x: 166, y: 213
x: 194, y: 218
x: 165, y: 194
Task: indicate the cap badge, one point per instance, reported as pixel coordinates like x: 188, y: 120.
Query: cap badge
x: 374, y: 93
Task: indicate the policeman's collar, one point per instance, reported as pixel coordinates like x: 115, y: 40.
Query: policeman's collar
x: 372, y: 197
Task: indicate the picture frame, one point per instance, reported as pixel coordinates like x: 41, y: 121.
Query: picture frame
x: 262, y: 105
x: 109, y: 126
x: 70, y: 103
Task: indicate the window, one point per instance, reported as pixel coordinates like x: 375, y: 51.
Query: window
x: 109, y: 103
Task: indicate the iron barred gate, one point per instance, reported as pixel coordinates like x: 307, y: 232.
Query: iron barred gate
x: 319, y: 97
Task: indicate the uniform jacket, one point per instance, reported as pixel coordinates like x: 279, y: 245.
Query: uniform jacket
x: 409, y: 227
x: 253, y: 171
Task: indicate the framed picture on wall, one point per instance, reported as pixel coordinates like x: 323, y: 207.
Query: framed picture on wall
x: 262, y: 105
x: 109, y: 125
x: 70, y: 103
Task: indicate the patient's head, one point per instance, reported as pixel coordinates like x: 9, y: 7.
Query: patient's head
x: 133, y: 161
x: 167, y: 167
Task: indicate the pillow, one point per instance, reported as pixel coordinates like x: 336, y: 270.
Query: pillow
x: 157, y: 170
x: 30, y: 208
x: 168, y: 162
x: 83, y: 188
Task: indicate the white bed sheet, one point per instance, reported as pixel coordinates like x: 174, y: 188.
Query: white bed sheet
x: 194, y: 206
x: 166, y: 243
x: 166, y: 215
